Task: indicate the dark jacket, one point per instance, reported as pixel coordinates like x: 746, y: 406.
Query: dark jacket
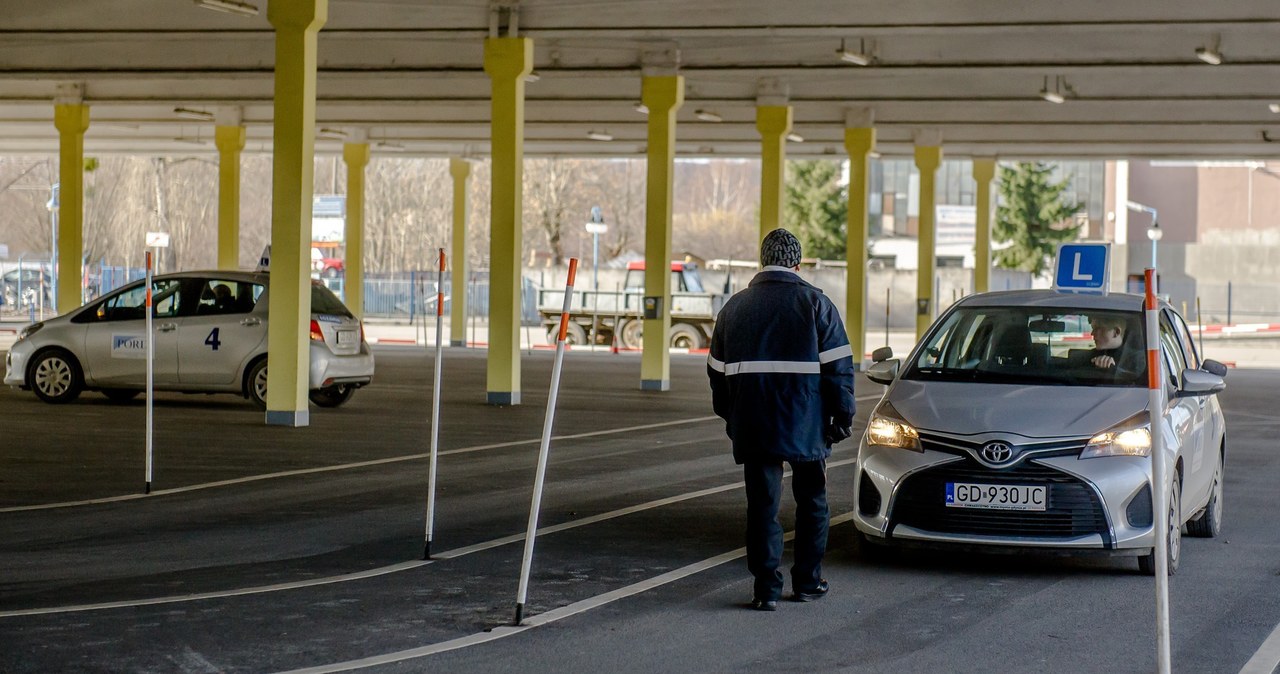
x: 780, y: 369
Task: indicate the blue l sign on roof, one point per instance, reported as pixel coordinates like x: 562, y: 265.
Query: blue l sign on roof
x: 1082, y: 267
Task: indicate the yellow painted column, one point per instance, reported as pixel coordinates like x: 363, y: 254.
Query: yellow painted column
x: 507, y: 60
x: 356, y: 156
x: 928, y: 159
x: 774, y: 123
x: 230, y: 141
x: 296, y: 23
x: 859, y: 142
x: 71, y: 120
x: 459, y: 169
x: 984, y: 172
x: 663, y: 95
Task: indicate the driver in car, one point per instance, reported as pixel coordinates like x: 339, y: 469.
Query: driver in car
x: 1108, y: 337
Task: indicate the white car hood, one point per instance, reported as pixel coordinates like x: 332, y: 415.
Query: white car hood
x: 1032, y: 411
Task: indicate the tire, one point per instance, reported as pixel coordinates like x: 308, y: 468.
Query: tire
x: 576, y: 334
x: 685, y: 336
x: 632, y: 334
x: 255, y: 383
x: 1208, y: 524
x: 1147, y: 563
x: 56, y: 377
x: 332, y: 396
x: 120, y: 395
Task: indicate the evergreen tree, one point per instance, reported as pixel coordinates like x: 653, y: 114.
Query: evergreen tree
x: 1032, y: 216
x: 816, y: 207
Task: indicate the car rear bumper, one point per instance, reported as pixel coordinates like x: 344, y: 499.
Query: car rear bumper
x: 328, y: 369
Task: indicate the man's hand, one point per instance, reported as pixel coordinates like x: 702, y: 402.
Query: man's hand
x: 837, y: 429
x: 1103, y: 361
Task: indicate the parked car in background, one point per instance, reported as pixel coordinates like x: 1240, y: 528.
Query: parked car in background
x: 210, y: 337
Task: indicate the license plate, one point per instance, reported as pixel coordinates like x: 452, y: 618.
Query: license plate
x: 346, y: 337
x: 996, y: 496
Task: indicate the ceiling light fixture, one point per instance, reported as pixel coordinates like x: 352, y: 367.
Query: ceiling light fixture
x: 188, y: 113
x: 189, y: 141
x: 707, y: 116
x: 229, y: 6
x: 331, y: 134
x: 600, y: 135
x: 795, y: 137
x: 857, y: 58
x: 641, y: 108
x: 388, y: 146
x: 1274, y: 107
x: 533, y: 76
x: 1054, y: 96
x: 1210, y: 54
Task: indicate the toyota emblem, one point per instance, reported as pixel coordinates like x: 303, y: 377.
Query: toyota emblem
x: 997, y: 452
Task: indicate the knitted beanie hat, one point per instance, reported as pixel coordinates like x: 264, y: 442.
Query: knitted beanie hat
x: 780, y: 248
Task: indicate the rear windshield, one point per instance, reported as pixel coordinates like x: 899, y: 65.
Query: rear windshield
x: 323, y: 301
x: 1028, y: 345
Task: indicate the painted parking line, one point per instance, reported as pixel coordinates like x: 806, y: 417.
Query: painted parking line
x: 393, y: 568
x: 545, y: 618
x: 1267, y: 659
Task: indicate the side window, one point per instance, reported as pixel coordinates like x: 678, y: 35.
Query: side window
x: 1188, y: 344
x: 677, y: 282
x: 218, y: 297
x: 130, y: 305
x: 1171, y: 349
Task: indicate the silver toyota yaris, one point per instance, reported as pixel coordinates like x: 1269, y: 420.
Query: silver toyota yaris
x: 1021, y: 420
x: 210, y: 337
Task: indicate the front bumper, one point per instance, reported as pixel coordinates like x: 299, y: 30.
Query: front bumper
x: 328, y: 369
x: 15, y: 365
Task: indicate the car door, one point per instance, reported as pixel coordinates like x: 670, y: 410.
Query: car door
x: 115, y: 339
x: 1202, y: 462
x: 220, y: 332
x: 1186, y: 415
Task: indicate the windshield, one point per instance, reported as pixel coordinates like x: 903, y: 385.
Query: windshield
x: 1029, y: 345
x: 323, y: 301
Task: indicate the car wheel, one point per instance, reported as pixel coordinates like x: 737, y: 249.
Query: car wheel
x: 332, y: 396
x: 1209, y: 523
x: 55, y: 377
x: 120, y: 395
x: 685, y: 336
x: 1147, y: 563
x: 255, y: 383
x: 576, y: 334
x: 633, y: 334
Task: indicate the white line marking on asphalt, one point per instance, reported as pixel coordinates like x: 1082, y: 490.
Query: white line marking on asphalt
x: 394, y: 568
x: 544, y: 618
x: 1267, y: 659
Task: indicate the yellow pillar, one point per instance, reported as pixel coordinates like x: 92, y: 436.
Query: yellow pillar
x: 928, y: 159
x: 507, y: 60
x: 71, y: 120
x: 459, y: 169
x: 296, y: 23
x: 984, y: 172
x: 663, y: 95
x: 859, y: 143
x: 356, y: 156
x: 774, y: 123
x: 230, y: 141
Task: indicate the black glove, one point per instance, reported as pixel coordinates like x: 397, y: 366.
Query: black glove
x: 837, y: 429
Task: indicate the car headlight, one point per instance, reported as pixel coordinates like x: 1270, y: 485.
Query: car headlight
x: 30, y: 330
x: 887, y: 428
x: 1131, y: 437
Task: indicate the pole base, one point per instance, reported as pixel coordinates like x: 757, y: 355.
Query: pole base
x: 503, y: 397
x: 147, y: 488
x: 519, y: 614
x: 426, y: 550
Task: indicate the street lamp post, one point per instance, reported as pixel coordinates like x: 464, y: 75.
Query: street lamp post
x: 1154, y: 233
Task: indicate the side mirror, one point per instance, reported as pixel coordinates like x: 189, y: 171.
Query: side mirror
x: 1214, y: 367
x: 1200, y: 383
x: 885, y: 353
x: 883, y: 372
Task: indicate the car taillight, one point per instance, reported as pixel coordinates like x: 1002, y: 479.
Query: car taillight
x: 316, y: 334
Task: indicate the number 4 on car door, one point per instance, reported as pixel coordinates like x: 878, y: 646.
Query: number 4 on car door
x: 212, y: 340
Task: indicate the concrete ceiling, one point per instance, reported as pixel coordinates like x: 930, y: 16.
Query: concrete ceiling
x: 408, y: 72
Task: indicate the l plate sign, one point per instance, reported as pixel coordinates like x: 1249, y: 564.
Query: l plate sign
x: 1082, y: 267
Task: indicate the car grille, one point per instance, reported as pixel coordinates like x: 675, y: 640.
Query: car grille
x: 1073, y: 508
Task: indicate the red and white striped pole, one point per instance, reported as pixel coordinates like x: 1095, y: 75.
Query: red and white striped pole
x: 435, y: 410
x: 1159, y: 470
x: 151, y: 353
x: 544, y: 449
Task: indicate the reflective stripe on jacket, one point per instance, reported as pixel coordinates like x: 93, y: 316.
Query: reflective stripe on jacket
x: 780, y: 366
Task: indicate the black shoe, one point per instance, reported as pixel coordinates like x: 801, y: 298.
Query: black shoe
x: 814, y: 594
x: 764, y: 604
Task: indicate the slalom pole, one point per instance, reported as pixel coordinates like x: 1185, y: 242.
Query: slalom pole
x: 545, y: 447
x: 435, y: 410
x: 151, y: 356
x: 1160, y: 495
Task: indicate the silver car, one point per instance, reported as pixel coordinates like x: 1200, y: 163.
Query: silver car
x: 210, y: 337
x: 1021, y: 420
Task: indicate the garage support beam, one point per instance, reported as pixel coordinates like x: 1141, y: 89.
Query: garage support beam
x: 230, y: 142
x: 859, y: 142
x: 459, y: 169
x: 662, y: 95
x: 984, y: 172
x: 506, y: 60
x: 356, y: 157
x: 928, y: 153
x: 296, y: 23
x: 774, y: 123
x: 71, y: 120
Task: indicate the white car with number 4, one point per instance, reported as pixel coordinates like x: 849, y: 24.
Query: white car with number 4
x: 1021, y: 421
x: 210, y: 337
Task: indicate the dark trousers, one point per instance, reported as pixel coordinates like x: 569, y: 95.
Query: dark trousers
x: 764, y: 532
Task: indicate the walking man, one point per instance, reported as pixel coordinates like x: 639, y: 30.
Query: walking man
x: 781, y: 373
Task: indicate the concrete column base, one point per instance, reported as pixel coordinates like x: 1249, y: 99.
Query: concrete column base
x: 291, y: 418
x: 504, y: 398
x: 458, y: 342
x: 655, y: 384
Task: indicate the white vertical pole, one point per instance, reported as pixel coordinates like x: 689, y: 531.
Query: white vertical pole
x: 1159, y: 469
x: 435, y: 410
x: 151, y: 356
x: 544, y: 449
